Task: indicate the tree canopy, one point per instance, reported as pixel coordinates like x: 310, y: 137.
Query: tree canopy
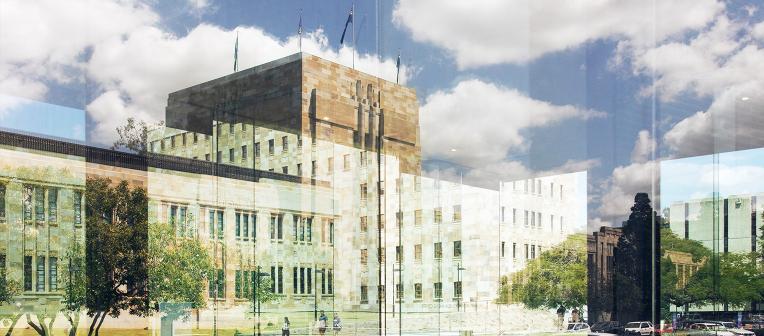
x: 557, y: 278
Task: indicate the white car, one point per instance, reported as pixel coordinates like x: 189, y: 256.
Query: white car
x: 642, y: 327
x: 709, y: 329
x: 731, y: 327
x: 578, y: 327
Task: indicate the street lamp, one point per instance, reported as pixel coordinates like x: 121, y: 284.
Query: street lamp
x: 459, y: 270
x: 255, y: 301
x: 315, y: 294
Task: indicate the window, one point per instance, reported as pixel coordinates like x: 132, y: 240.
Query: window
x: 244, y: 152
x: 183, y: 139
x: 309, y: 280
x: 418, y: 252
x: 364, y: 294
x: 399, y: 219
x: 207, y: 157
x: 438, y: 250
x: 217, y: 284
x: 245, y: 226
x: 237, y: 284
x: 277, y: 229
x: 364, y: 191
x: 330, y: 282
x: 525, y: 218
x: 257, y: 150
x: 458, y: 249
x: 551, y: 222
x: 503, y: 245
x: 364, y: 224
x: 514, y: 216
x: 230, y: 155
x: 331, y: 232
x: 533, y: 219
x: 285, y: 169
x: 457, y: 216
x: 399, y: 291
x: 39, y: 200
x: 514, y: 250
x: 417, y: 291
x: 346, y: 162
x: 560, y: 191
x: 309, y: 229
x: 52, y: 204
x: 551, y: 189
x: 364, y: 256
x: 2, y: 201
x: 438, y: 286
x: 172, y: 141
x: 538, y: 223
x: 284, y: 144
x: 40, y: 274
x: 238, y: 225
x: 330, y: 165
x: 399, y: 254
x: 527, y: 253
x: 313, y: 168
x: 77, y: 208
x: 417, y: 217
x: 562, y: 224
x: 363, y: 158
x: 299, y: 169
x: 27, y: 273
x: 503, y: 214
x: 533, y: 251
x: 457, y: 289
x: 271, y: 146
x: 295, y: 276
x: 297, y: 228
x: 437, y: 215
x: 27, y: 203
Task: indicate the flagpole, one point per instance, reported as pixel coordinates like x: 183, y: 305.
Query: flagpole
x: 352, y: 12
x: 299, y: 31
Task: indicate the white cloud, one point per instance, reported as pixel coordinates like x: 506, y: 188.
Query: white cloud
x: 617, y: 192
x: 758, y: 31
x: 488, y: 32
x: 149, y: 63
x: 476, y: 123
x: 45, y: 40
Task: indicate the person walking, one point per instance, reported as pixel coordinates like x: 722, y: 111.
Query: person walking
x: 336, y: 324
x: 561, y: 317
x: 322, y: 321
x: 285, y: 327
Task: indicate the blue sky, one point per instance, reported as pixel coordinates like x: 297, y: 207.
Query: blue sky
x: 572, y: 93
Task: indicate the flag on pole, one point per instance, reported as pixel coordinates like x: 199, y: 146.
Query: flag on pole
x: 299, y: 30
x: 398, y: 67
x: 236, y: 54
x: 347, y: 23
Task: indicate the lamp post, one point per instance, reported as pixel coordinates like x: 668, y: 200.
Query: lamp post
x: 315, y: 295
x: 255, y: 301
x: 459, y: 270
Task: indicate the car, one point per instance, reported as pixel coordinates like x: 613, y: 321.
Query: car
x: 607, y: 327
x: 732, y: 327
x: 639, y: 328
x: 578, y: 327
x: 708, y: 329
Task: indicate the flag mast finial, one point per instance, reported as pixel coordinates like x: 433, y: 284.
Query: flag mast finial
x: 299, y: 31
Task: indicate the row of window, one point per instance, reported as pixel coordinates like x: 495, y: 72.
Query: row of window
x: 534, y: 219
x: 531, y: 250
x: 39, y: 275
x: 246, y: 281
x: 246, y: 225
x: 437, y: 290
x: 40, y: 204
x: 534, y: 187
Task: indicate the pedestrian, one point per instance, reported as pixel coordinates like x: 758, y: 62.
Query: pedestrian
x: 336, y: 324
x: 285, y: 327
x: 560, y: 317
x: 576, y: 315
x: 322, y: 323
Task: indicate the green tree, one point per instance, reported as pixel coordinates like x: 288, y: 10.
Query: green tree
x: 728, y: 278
x: 557, y: 278
x: 178, y: 269
x: 671, y: 291
x: 74, y: 281
x: 9, y: 289
x: 116, y: 250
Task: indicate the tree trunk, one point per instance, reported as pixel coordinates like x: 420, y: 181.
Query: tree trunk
x: 13, y: 324
x: 74, y: 321
x: 94, y: 322
x: 98, y: 328
x: 39, y: 329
